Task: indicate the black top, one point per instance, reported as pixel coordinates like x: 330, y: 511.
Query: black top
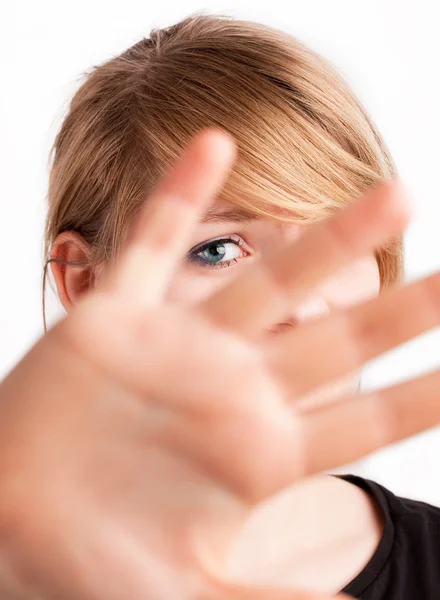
x: 406, y: 564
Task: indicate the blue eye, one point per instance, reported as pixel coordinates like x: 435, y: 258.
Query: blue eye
x: 217, y: 253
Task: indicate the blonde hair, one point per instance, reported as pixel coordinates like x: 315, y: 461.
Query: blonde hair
x: 306, y: 145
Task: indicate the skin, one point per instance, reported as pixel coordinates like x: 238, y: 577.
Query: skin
x: 125, y: 471
x: 359, y: 523
x: 193, y: 282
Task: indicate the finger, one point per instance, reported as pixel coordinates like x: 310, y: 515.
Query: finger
x: 349, y: 430
x: 273, y: 286
x: 347, y: 339
x: 169, y: 357
x: 258, y: 453
x: 160, y: 234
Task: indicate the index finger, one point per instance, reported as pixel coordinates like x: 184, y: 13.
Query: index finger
x: 161, y: 230
x: 273, y: 286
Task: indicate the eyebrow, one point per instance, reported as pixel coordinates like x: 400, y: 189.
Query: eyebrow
x: 230, y: 215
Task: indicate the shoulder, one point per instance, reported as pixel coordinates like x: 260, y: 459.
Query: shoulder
x: 408, y: 559
x: 418, y: 518
x: 416, y: 523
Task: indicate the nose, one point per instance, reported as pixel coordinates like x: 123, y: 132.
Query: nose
x: 283, y: 326
x: 311, y: 308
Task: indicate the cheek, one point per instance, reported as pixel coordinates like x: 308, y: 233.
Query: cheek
x: 356, y: 283
x: 188, y: 288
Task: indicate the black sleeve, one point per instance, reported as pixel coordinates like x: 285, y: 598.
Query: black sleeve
x: 406, y: 565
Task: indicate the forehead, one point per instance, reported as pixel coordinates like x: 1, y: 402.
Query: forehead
x: 222, y: 211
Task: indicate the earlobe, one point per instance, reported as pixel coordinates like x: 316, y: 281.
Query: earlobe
x: 70, y: 261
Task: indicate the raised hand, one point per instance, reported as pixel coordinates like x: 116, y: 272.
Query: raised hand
x: 138, y: 434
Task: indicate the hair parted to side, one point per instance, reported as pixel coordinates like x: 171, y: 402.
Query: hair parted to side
x: 305, y: 142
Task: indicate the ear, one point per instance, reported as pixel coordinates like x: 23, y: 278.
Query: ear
x: 71, y: 281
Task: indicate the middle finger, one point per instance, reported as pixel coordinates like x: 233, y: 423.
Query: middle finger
x: 347, y: 339
x: 273, y: 286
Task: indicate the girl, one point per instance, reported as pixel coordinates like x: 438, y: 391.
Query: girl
x: 166, y: 438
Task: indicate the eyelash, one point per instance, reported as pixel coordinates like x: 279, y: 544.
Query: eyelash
x: 193, y: 257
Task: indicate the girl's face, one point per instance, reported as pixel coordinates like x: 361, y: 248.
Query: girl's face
x: 224, y: 242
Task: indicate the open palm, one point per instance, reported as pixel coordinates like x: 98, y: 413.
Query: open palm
x: 141, y: 433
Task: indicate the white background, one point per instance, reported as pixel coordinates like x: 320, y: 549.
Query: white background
x: 388, y: 50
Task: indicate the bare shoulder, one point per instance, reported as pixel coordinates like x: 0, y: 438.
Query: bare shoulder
x: 318, y: 535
